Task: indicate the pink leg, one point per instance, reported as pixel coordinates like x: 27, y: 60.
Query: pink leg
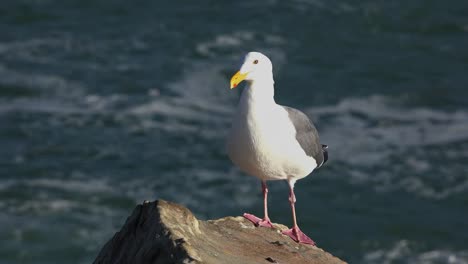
x: 295, y: 233
x: 266, y: 220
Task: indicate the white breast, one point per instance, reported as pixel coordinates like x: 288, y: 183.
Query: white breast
x: 262, y: 141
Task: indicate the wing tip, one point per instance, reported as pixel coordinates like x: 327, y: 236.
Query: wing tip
x: 325, y: 154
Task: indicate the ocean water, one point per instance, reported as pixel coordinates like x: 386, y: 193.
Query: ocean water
x: 104, y: 104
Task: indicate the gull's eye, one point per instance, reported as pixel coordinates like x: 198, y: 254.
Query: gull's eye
x: 255, y: 62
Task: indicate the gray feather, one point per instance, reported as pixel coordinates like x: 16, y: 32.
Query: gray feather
x: 306, y: 135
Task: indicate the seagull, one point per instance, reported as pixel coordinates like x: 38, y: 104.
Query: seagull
x: 271, y: 141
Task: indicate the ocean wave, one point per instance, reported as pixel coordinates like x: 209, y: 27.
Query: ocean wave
x: 43, y: 83
x: 72, y: 185
x: 27, y: 50
x: 403, y: 252
x: 50, y: 50
x: 226, y: 43
x: 377, y: 133
x: 379, y: 128
x: 202, y: 97
x: 382, y: 118
x: 39, y: 92
x: 88, y: 198
x: 398, y: 143
x: 232, y: 46
x: 201, y: 92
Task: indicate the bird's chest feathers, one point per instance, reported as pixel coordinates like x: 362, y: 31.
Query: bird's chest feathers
x: 260, y: 124
x: 258, y: 134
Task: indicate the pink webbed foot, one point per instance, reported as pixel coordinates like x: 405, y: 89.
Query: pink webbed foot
x: 297, y: 235
x: 257, y: 221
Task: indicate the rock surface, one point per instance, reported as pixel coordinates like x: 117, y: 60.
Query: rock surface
x: 164, y: 232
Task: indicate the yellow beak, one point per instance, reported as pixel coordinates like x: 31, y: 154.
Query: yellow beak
x: 237, y: 78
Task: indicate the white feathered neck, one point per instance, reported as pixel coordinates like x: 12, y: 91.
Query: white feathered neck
x: 259, y: 93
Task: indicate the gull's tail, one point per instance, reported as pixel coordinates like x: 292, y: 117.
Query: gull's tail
x: 325, y: 153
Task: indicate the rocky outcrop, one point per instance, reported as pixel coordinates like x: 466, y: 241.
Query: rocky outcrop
x: 164, y: 232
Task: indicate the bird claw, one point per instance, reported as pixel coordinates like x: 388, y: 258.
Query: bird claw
x: 297, y: 235
x: 257, y: 221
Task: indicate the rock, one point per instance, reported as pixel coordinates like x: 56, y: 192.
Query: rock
x: 165, y: 232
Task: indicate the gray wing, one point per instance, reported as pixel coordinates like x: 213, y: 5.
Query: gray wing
x: 306, y: 134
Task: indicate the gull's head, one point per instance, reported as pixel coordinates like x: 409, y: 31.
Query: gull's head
x: 256, y: 66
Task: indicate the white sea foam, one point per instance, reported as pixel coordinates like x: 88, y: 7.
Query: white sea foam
x: 234, y: 44
x: 403, y: 251
x: 370, y: 132
x: 89, y: 186
x: 202, y: 90
x: 202, y: 97
x: 378, y: 127
x: 45, y: 206
x: 232, y: 40
x: 38, y: 50
x: 27, y: 49
x: 50, y: 84
x: 54, y: 94
x: 88, y: 203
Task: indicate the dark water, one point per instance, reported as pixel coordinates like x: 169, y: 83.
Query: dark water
x: 104, y: 104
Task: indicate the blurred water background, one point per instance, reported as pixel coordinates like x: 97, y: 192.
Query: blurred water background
x: 104, y: 104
